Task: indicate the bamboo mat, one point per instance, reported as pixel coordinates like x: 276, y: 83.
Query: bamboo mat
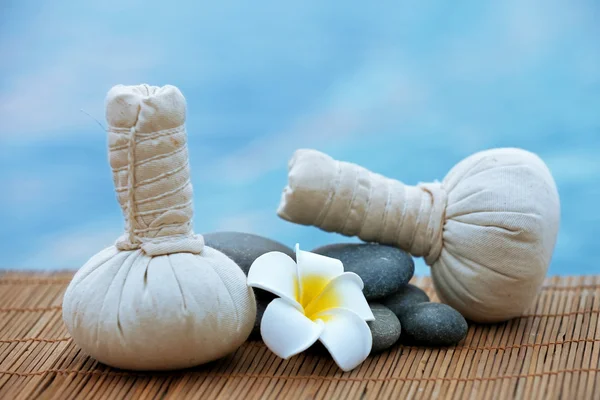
x: 551, y: 352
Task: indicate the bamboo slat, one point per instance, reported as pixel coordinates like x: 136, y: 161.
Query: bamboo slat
x: 551, y: 352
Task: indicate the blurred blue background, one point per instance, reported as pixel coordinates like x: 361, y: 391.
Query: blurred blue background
x: 406, y: 89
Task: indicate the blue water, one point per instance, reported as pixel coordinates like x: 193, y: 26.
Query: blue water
x: 405, y: 90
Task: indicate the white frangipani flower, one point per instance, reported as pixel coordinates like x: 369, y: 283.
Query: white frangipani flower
x: 317, y: 301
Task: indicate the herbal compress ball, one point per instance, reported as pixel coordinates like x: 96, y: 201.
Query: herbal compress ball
x: 488, y: 230
x: 159, y: 299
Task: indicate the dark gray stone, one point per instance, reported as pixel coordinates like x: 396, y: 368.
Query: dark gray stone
x: 432, y: 324
x: 261, y: 306
x: 318, y: 349
x: 406, y: 296
x: 383, y: 269
x: 244, y: 248
x: 385, y: 329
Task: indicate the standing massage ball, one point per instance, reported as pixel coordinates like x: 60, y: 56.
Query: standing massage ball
x: 159, y: 299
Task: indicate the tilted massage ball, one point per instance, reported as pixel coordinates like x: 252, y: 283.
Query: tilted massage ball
x: 488, y: 230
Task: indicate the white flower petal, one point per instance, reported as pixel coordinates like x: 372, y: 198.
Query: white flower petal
x: 286, y: 331
x: 314, y: 273
x: 347, y: 337
x: 344, y: 291
x: 275, y: 272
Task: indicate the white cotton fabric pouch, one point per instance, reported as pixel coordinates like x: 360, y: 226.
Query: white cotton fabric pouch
x: 159, y: 299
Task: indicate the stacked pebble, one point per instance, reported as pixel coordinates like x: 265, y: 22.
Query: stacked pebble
x: 244, y: 248
x: 402, y: 310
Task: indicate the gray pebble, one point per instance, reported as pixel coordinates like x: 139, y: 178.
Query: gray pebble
x: 383, y: 269
x: 385, y: 329
x: 432, y: 324
x: 261, y: 306
x: 244, y: 248
x: 406, y: 296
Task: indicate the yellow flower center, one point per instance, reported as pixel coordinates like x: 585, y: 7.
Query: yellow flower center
x: 314, y: 299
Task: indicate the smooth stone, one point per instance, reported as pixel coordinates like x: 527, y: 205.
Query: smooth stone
x: 406, y: 296
x: 318, y: 349
x: 383, y: 269
x: 261, y: 306
x: 432, y: 324
x: 244, y: 248
x: 385, y: 329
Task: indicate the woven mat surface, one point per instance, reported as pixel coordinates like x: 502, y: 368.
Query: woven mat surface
x: 551, y: 352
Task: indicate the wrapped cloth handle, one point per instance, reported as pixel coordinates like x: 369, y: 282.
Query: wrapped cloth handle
x: 150, y: 166
x: 346, y: 198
